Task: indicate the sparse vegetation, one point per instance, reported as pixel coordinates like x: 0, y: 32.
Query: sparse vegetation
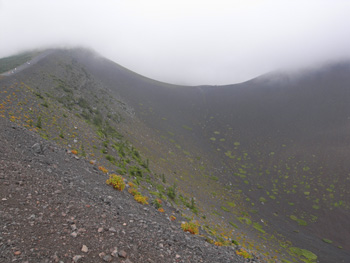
x: 141, y: 199
x: 242, y: 252
x: 116, y: 181
x: 103, y: 169
x: 305, y: 255
x: 133, y: 191
x: 190, y: 227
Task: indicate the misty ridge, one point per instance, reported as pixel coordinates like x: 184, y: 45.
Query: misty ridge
x: 196, y: 43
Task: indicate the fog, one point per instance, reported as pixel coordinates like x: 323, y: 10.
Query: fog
x: 185, y: 42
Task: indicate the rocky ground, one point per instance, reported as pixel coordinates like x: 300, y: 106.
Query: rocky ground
x: 55, y: 207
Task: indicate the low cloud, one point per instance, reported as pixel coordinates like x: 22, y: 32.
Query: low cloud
x: 185, y: 42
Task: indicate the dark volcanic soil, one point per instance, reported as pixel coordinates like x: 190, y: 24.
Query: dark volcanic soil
x: 54, y: 205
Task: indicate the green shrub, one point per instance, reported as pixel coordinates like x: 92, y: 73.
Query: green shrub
x: 327, y: 240
x: 38, y: 123
x: 45, y: 104
x: 225, y: 209
x: 110, y: 158
x: 116, y: 181
x: 233, y: 224
x: 305, y: 255
x: 39, y: 95
x: 171, y: 192
x: 157, y: 203
x: 135, y: 171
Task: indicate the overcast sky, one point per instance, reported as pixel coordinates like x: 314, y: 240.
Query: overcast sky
x: 185, y: 41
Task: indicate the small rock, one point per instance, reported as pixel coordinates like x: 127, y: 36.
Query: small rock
x: 84, y: 249
x: 70, y: 220
x: 107, y: 258
x: 115, y: 252
x: 102, y: 254
x: 74, y: 234
x: 77, y: 258
x: 31, y: 217
x: 112, y: 229
x: 100, y: 229
x: 73, y: 227
x: 55, y: 257
x: 122, y: 254
x: 17, y: 253
x: 177, y: 256
x: 36, y: 148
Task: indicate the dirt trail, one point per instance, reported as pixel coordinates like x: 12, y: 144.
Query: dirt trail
x: 27, y: 64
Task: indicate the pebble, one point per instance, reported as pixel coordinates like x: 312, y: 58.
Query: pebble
x: 107, y: 258
x: 36, y: 148
x: 122, y: 254
x: 84, y: 249
x: 112, y: 229
x: 77, y: 258
x: 55, y: 257
x: 115, y: 252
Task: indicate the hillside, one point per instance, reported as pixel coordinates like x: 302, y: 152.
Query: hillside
x: 56, y: 207
x: 262, y: 163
